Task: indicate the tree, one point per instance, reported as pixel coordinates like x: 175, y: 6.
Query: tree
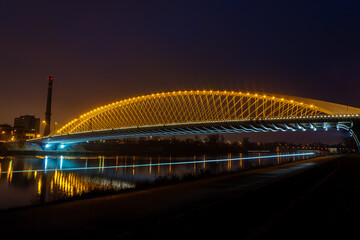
x: 212, y: 139
x: 246, y: 143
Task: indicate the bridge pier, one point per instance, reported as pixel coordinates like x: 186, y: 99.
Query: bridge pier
x: 355, y: 133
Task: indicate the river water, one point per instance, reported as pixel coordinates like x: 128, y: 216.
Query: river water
x: 32, y: 180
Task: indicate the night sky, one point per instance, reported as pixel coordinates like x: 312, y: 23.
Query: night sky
x: 106, y: 50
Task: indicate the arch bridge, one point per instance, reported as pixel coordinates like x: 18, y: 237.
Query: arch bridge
x: 204, y: 112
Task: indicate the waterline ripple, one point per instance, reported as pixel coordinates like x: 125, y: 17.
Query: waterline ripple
x: 157, y: 164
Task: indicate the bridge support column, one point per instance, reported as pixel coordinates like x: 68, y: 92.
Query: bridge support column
x: 355, y: 133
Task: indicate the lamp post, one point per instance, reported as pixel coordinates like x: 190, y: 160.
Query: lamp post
x: 55, y: 126
x: 43, y: 125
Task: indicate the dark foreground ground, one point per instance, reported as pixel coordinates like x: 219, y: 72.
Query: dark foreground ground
x: 312, y: 199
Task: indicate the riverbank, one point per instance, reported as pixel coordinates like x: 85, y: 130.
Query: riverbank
x: 155, y: 148
x: 309, y: 198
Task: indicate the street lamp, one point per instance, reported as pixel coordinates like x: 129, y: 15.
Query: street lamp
x: 55, y: 126
x: 43, y: 124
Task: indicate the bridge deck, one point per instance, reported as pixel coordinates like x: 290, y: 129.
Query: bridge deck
x: 346, y: 122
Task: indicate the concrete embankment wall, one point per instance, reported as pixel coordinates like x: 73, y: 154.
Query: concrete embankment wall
x: 23, y: 148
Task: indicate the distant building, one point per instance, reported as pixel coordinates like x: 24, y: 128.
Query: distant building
x: 26, y: 127
x: 6, y: 132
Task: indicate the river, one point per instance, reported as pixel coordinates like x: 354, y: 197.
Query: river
x: 34, y: 180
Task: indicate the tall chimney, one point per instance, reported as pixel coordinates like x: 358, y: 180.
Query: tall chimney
x: 48, y: 107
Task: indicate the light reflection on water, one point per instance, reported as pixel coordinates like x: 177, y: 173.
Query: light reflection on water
x: 35, y: 180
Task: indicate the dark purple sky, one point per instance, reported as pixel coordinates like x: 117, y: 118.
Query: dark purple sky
x: 106, y: 50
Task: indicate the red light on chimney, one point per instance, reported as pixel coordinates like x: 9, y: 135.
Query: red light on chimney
x: 50, y: 78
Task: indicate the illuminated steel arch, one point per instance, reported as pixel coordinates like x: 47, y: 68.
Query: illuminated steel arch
x: 190, y: 107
